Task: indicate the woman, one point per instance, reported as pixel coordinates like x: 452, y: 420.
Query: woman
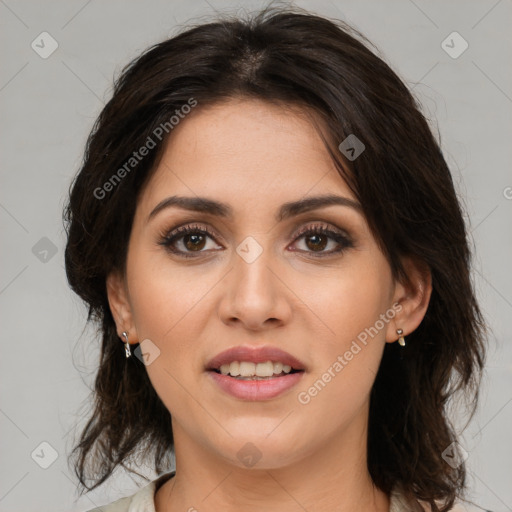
x: 265, y: 220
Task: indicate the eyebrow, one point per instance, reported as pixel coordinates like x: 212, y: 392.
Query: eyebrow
x: 287, y: 210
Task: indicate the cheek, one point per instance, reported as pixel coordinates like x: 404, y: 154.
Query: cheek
x: 169, y: 309
x: 349, y: 299
x: 349, y: 350
x: 166, y: 298
x: 168, y: 306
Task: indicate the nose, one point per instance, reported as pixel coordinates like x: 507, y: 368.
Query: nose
x: 255, y: 295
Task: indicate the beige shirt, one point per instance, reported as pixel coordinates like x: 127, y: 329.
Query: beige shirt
x: 144, y: 501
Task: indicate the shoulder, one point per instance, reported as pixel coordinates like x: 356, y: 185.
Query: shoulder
x: 121, y: 505
x: 142, y: 501
x: 398, y: 503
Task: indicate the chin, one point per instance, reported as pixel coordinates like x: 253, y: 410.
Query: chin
x: 260, y: 451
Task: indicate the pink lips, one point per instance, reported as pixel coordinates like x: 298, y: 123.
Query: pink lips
x: 255, y: 390
x: 254, y: 355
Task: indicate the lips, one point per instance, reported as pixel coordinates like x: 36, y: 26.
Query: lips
x: 254, y: 355
x: 255, y: 390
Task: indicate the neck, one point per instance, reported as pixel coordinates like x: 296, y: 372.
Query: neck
x: 332, y: 477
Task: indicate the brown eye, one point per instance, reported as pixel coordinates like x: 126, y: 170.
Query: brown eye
x: 187, y: 240
x: 315, y: 239
x: 194, y: 242
x: 317, y: 242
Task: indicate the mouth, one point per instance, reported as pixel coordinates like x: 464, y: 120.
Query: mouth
x: 247, y: 370
x: 254, y: 388
x: 255, y: 373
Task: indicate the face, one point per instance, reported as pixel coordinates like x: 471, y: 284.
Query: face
x: 256, y: 273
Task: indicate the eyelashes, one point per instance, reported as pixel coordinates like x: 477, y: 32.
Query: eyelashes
x: 195, y: 240
x: 326, y: 234
x: 192, y: 233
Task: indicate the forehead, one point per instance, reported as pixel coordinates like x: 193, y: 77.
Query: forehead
x: 245, y: 150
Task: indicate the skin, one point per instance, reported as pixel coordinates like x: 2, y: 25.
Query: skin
x: 256, y: 156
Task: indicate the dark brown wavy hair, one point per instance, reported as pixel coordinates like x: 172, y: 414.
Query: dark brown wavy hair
x: 288, y: 57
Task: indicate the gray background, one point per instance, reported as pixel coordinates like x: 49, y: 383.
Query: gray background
x: 48, y: 106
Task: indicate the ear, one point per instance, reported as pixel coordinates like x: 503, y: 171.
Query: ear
x: 412, y: 296
x: 118, y: 299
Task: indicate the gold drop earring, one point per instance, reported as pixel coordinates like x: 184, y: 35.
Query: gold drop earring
x: 401, y: 340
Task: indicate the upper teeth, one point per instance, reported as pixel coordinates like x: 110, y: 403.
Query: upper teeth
x: 248, y: 369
